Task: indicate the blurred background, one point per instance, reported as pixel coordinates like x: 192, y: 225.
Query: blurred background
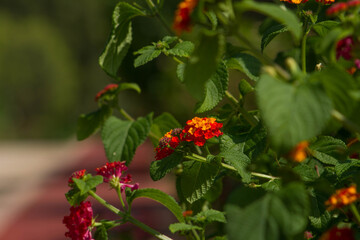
x: 49, y: 75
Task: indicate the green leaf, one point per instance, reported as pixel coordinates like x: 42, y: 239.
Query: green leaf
x: 323, y: 28
x: 209, y: 216
x: 182, y: 49
x: 131, y: 86
x: 197, y: 178
x: 88, y: 123
x: 280, y: 215
x: 159, y: 168
x: 176, y: 227
x: 161, y: 197
x: 245, y: 63
x: 163, y: 124
x: 147, y: 54
x: 121, y: 138
x: 346, y: 167
x: 180, y: 69
x: 282, y: 15
x: 337, y: 90
x: 74, y: 197
x: 203, y: 63
x: 236, y: 158
x: 306, y: 172
x: 169, y: 39
x: 292, y: 113
x: 101, y: 233
x: 87, y: 183
x: 328, y: 149
x: 120, y: 38
x: 215, y: 89
x: 270, y: 33
x: 211, y: 15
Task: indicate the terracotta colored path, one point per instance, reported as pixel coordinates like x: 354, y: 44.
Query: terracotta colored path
x: 34, y: 180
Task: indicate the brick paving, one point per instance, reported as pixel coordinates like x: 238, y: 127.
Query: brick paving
x: 34, y: 178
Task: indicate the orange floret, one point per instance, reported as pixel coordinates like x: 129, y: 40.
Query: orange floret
x: 342, y: 197
x: 299, y: 152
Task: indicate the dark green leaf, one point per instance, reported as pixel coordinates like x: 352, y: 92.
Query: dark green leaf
x: 215, y: 89
x: 87, y: 183
x: 270, y: 33
x: 209, y: 216
x: 180, y: 71
x: 197, y: 178
x: 159, y: 168
x: 323, y: 28
x: 245, y: 63
x: 101, y: 233
x: 120, y: 38
x: 161, y: 197
x: 203, y: 63
x: 182, y: 49
x: 88, y: 123
x: 282, y: 15
x: 121, y: 138
x: 131, y: 86
x: 236, y: 158
x: 147, y: 54
x: 292, y: 113
x: 176, y: 227
x: 74, y: 197
x: 328, y: 149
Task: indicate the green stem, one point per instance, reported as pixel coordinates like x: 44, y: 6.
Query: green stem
x: 125, y: 114
x: 303, y: 49
x: 129, y: 218
x: 118, y: 190
x: 148, y: 229
x: 248, y: 117
x: 158, y: 15
x: 198, y: 158
x: 355, y: 212
x: 346, y: 122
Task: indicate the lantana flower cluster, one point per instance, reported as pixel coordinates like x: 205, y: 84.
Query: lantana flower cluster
x: 304, y: 1
x: 182, y: 19
x: 342, y: 197
x: 348, y: 48
x: 336, y: 233
x: 299, y: 152
x: 196, y: 130
x: 340, y: 7
x: 79, y: 222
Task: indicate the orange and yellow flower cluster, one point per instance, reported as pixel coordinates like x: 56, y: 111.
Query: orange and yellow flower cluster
x: 182, y: 20
x: 197, y: 130
x: 168, y: 143
x: 342, y: 197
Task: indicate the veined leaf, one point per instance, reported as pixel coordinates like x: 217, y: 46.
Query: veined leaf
x: 101, y: 233
x: 322, y: 28
x: 147, y: 54
x: 120, y: 38
x: 88, y: 123
x: 292, y: 113
x: 274, y: 11
x: 159, y: 168
x: 121, y: 138
x: 176, y: 227
x: 270, y: 33
x: 209, y: 216
x: 215, y: 89
x: 161, y: 197
x: 245, y: 63
x: 88, y: 183
x: 182, y: 49
x: 328, y: 150
x: 203, y: 63
x: 197, y: 178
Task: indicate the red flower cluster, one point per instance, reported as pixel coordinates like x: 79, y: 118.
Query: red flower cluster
x: 342, y: 197
x: 78, y: 174
x: 109, y: 88
x: 336, y: 233
x: 295, y: 1
x: 168, y: 143
x: 341, y: 7
x: 182, y: 20
x: 79, y: 222
x: 344, y: 48
x: 198, y: 130
x: 112, y: 172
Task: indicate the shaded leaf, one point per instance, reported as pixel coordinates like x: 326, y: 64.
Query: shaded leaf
x: 147, y: 54
x: 245, y: 63
x: 176, y: 227
x: 159, y: 168
x: 182, y: 49
x: 270, y: 33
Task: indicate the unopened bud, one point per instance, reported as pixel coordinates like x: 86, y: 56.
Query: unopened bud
x: 270, y: 70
